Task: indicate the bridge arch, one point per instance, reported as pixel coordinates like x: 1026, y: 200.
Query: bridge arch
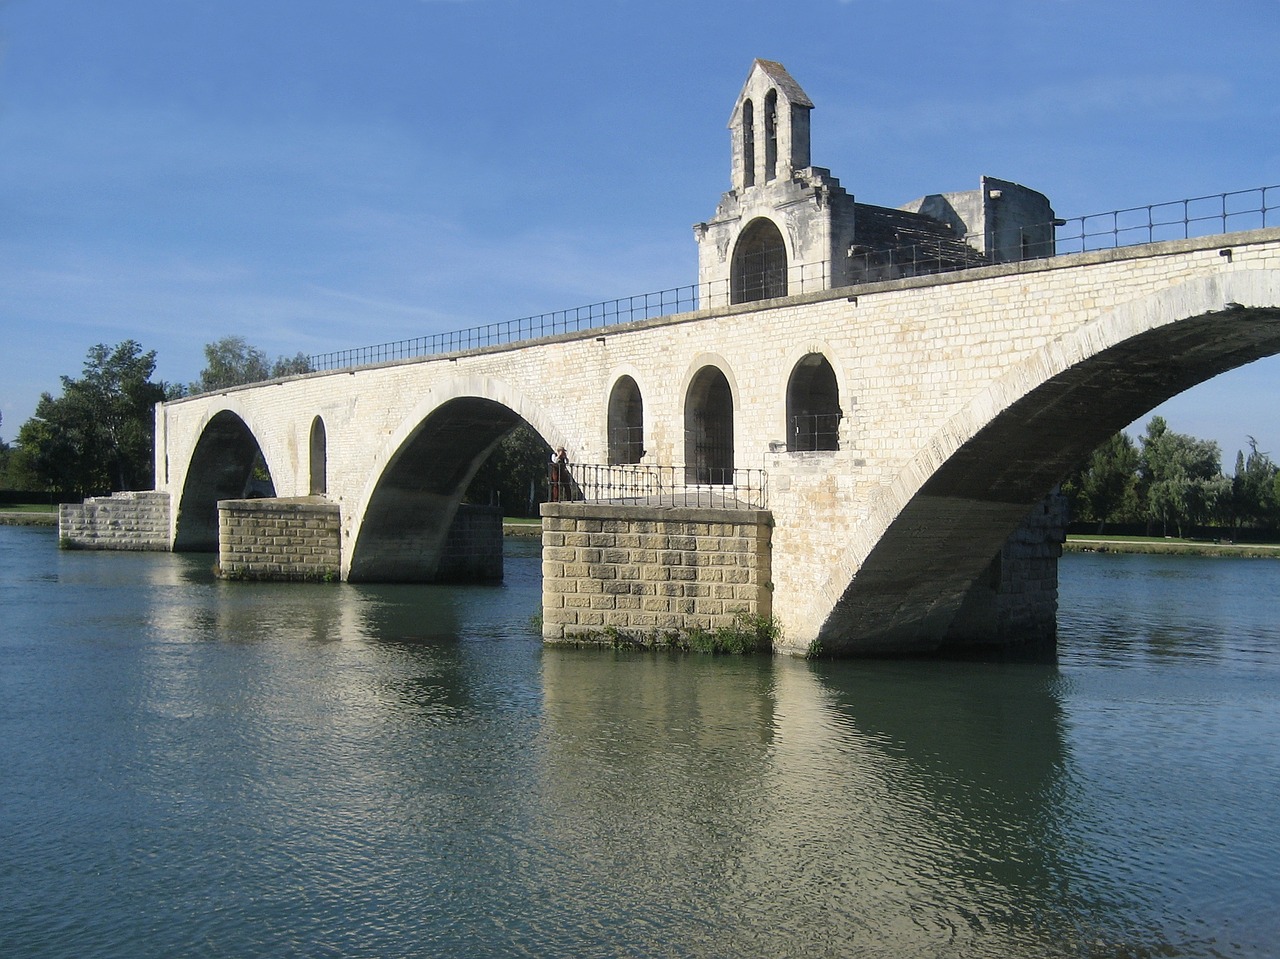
x: 759, y: 267
x: 710, y: 402
x: 221, y: 467
x: 422, y: 470
x: 625, y: 421
x: 949, y: 511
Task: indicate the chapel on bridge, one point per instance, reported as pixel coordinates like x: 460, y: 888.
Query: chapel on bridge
x: 787, y: 226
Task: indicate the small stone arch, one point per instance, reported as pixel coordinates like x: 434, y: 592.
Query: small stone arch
x: 319, y: 458
x: 625, y: 422
x: 708, y: 428
x: 759, y: 270
x: 813, y: 406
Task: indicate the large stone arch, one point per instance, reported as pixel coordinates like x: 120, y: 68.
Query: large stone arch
x: 935, y: 529
x: 221, y: 467
x: 421, y: 472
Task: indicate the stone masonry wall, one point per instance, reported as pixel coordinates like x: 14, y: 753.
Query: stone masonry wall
x: 921, y: 366
x: 279, y: 539
x: 1016, y: 602
x: 131, y: 521
x: 644, y: 571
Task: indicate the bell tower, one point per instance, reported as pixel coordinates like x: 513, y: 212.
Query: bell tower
x: 769, y: 127
x: 779, y: 228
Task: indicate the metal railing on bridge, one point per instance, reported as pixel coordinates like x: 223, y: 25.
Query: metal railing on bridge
x: 801, y: 278
x: 665, y: 486
x: 1175, y: 219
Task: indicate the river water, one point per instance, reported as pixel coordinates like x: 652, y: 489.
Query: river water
x: 197, y: 768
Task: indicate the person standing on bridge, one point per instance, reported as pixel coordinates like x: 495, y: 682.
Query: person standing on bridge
x: 559, y: 474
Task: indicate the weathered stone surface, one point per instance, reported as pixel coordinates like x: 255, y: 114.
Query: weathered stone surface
x: 295, y: 539
x: 630, y: 584
x: 126, y: 521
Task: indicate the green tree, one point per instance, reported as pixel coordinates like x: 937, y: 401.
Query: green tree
x: 1182, y: 477
x: 1107, y: 487
x: 231, y: 361
x: 517, y: 466
x: 1253, y: 489
x: 99, y: 433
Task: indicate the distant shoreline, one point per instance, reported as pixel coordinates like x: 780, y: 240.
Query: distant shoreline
x: 18, y: 518
x: 1168, y: 547
x: 1075, y: 543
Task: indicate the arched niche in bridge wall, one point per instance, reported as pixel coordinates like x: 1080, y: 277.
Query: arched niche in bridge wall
x: 319, y: 448
x: 813, y: 406
x: 227, y: 463
x: 626, y: 423
x: 759, y: 268
x: 708, y: 428
x: 413, y: 504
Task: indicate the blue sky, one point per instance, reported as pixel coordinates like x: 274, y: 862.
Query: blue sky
x: 323, y: 174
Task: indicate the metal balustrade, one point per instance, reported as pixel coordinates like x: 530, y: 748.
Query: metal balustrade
x: 1176, y: 219
x: 643, y: 485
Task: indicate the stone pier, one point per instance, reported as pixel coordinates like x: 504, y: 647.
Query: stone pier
x: 136, y: 520
x: 643, y: 572
x: 294, y: 539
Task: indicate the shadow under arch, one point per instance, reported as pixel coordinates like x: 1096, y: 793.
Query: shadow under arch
x: 971, y: 486
x: 414, y: 501
x: 222, y: 467
x: 625, y: 422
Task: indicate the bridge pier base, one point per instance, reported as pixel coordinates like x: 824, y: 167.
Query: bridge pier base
x: 130, y: 521
x: 286, y: 540
x: 1013, y: 606
x: 646, y: 572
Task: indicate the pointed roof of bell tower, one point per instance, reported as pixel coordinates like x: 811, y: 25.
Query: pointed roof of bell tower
x: 780, y: 78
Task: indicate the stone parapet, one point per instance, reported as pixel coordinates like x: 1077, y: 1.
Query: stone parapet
x: 642, y: 571
x: 133, y: 520
x: 279, y: 539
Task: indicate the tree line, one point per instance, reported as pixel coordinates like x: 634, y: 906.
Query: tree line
x: 99, y: 434
x: 1171, y: 483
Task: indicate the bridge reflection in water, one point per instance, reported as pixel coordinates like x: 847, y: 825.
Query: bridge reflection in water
x: 811, y: 804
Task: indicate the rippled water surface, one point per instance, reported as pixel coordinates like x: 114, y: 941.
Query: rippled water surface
x: 195, y: 768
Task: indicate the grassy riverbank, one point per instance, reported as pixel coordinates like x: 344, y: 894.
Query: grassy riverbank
x: 1089, y: 543
x: 28, y: 514
x: 42, y: 514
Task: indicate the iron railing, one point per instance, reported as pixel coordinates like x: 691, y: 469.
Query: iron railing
x: 811, y: 432
x: 642, y: 485
x: 1176, y: 219
x: 801, y: 278
x: 1206, y: 215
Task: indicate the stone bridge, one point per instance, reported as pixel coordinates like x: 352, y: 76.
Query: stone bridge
x: 956, y: 403
x: 907, y: 429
